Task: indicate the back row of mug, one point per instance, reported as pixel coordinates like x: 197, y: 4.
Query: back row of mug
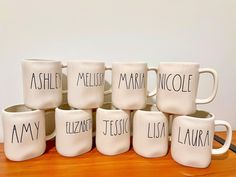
x: 176, y: 85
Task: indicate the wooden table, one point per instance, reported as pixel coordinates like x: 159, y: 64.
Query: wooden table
x: 127, y: 164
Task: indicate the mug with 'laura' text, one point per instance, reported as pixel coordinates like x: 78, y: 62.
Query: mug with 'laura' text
x: 192, y: 139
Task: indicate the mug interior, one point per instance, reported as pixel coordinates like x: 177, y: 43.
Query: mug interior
x: 18, y: 108
x: 201, y: 114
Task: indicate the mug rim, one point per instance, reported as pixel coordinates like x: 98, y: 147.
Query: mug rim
x: 72, y: 109
x: 34, y: 60
x: 179, y: 63
x: 92, y: 61
x: 191, y: 116
x: 129, y: 63
x: 31, y: 110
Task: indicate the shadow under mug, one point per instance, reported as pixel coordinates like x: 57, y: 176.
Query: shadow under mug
x: 112, y: 130
x: 192, y: 139
x: 150, y: 132
x: 24, y: 132
x: 73, y: 131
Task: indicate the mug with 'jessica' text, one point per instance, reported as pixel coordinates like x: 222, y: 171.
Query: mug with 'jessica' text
x: 112, y: 130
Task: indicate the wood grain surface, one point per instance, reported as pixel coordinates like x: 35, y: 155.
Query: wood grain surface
x: 128, y: 164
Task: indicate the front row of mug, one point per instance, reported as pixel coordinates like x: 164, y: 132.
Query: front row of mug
x: 191, y: 138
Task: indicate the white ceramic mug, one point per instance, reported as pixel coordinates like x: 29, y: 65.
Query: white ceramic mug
x: 42, y: 83
x: 86, y: 84
x: 112, y: 130
x: 73, y: 131
x: 192, y: 139
x: 150, y: 132
x: 178, y: 85
x: 24, y: 132
x: 129, y: 85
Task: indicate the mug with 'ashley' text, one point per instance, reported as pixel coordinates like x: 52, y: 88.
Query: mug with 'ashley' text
x: 42, y: 83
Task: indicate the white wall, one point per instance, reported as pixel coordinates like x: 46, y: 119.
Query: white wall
x: 202, y: 31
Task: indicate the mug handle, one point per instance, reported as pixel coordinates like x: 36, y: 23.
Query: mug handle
x: 154, y: 91
x: 53, y: 134
x: 64, y: 66
x: 215, y: 85
x: 109, y: 91
x: 227, y: 143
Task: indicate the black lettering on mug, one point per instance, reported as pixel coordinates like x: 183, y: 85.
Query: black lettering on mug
x: 116, y: 127
x: 132, y: 81
x: 175, y: 82
x: 90, y: 79
x: 19, y: 132
x: 194, y: 137
x: 78, y: 126
x: 106, y: 126
x: 156, y: 130
x: 43, y: 81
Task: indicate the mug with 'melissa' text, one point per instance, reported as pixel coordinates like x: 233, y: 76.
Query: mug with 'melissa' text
x: 150, y: 132
x: 178, y: 85
x: 192, y: 139
x: 112, y: 130
x: 73, y: 131
x: 86, y: 84
x: 24, y: 132
x: 42, y: 83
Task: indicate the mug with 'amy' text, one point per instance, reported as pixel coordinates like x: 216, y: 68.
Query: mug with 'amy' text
x: 24, y: 132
